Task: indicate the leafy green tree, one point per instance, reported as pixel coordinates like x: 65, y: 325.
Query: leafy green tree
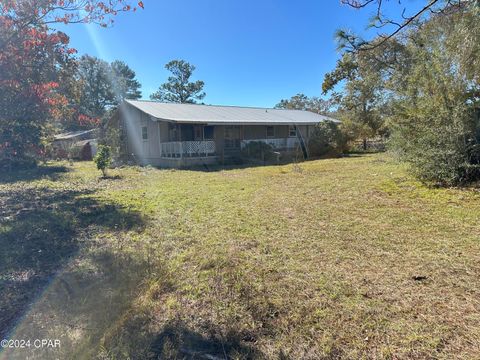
x: 103, y: 159
x: 97, y: 92
x: 424, y: 85
x: 435, y: 123
x: 125, y: 84
x: 92, y: 87
x: 101, y: 87
x: 303, y: 102
x: 363, y: 100
x: 179, y: 88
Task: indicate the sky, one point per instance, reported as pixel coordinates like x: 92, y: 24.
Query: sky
x: 248, y: 53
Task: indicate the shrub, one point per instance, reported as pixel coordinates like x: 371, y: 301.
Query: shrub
x: 12, y: 163
x: 441, y: 146
x: 111, y: 134
x: 103, y: 159
x: 327, y: 139
x: 11, y: 160
x: 435, y: 124
x: 259, y: 150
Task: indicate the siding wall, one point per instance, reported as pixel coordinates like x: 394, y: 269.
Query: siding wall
x: 253, y: 132
x: 145, y: 151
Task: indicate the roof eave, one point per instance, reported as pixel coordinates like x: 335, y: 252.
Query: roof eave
x: 220, y: 122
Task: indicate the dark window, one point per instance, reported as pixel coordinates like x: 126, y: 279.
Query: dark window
x: 270, y: 132
x: 198, y: 133
x: 292, y: 131
x: 187, y: 132
x: 144, y: 133
x: 208, y: 132
x: 232, y: 137
x: 172, y: 132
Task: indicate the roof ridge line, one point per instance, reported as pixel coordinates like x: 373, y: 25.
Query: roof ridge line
x: 213, y: 105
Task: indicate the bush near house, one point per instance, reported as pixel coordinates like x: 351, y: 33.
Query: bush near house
x: 442, y: 145
x: 259, y: 150
x: 327, y: 140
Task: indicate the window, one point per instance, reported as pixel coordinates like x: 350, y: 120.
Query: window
x: 198, y: 133
x: 292, y: 131
x: 232, y: 137
x: 270, y: 132
x: 208, y: 132
x: 144, y: 133
x: 172, y: 132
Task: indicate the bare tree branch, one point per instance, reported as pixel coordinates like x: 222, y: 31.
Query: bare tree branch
x: 432, y: 7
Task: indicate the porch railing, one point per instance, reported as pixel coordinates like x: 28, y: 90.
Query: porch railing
x: 282, y: 143
x: 179, y: 149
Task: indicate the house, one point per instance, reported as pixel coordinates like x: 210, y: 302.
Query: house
x: 183, y: 135
x: 80, y: 145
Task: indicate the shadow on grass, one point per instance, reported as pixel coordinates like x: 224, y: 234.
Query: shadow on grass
x: 111, y: 177
x: 177, y: 341
x: 239, y: 166
x: 360, y: 153
x: 249, y: 163
x: 41, y: 229
x: 49, y: 172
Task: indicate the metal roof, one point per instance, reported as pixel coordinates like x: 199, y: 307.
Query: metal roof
x: 226, y: 115
x: 73, y: 134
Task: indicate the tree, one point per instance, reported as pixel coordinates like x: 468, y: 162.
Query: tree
x: 27, y: 13
x: 125, y: 85
x: 303, y: 102
x: 103, y: 159
x: 97, y: 92
x: 103, y: 86
x: 363, y: 101
x: 435, y: 123
x: 94, y: 87
x: 30, y: 74
x: 424, y: 85
x: 34, y: 62
x: 421, y: 82
x: 179, y: 88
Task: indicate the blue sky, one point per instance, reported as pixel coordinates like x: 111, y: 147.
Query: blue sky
x: 249, y: 52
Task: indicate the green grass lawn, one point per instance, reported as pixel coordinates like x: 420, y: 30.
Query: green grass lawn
x: 343, y: 258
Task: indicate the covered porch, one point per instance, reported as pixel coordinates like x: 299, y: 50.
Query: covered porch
x: 201, y: 141
x: 188, y: 141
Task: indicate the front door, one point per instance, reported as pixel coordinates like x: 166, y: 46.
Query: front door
x: 233, y: 137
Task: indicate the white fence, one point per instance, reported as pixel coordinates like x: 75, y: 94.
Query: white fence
x: 178, y: 149
x: 283, y: 143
